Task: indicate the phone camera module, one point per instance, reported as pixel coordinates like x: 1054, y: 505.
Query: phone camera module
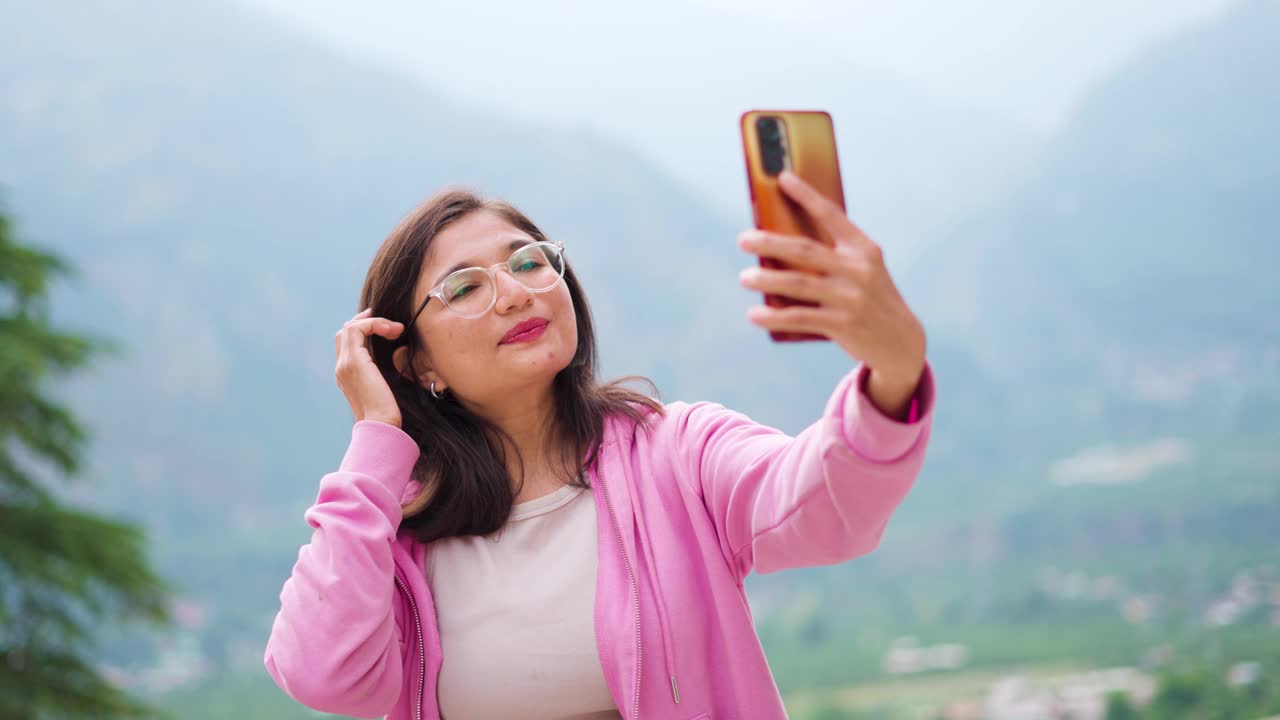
x: 773, y: 149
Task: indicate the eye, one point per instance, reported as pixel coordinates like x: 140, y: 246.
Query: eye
x: 526, y: 261
x: 461, y: 291
x: 464, y: 283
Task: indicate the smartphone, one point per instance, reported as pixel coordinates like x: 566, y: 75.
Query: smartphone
x: 804, y: 142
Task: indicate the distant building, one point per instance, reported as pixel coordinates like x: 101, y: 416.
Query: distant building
x: 907, y: 657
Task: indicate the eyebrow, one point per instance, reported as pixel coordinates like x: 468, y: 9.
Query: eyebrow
x: 512, y: 246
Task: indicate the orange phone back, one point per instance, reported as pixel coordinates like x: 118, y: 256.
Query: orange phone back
x: 810, y: 143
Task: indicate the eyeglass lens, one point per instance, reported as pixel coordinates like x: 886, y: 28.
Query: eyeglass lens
x: 470, y: 292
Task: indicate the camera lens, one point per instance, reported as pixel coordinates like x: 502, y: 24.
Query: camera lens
x: 768, y: 128
x: 772, y: 152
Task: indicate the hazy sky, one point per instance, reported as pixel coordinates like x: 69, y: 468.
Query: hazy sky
x: 1028, y: 59
x: 932, y: 98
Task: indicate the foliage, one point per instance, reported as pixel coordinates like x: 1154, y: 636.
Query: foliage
x: 64, y: 571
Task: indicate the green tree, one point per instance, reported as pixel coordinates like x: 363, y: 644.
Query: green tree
x: 64, y: 572
x: 1119, y: 707
x: 1186, y: 694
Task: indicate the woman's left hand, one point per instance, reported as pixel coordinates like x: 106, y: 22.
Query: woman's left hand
x: 858, y: 304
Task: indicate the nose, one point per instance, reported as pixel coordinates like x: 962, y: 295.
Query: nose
x: 511, y: 294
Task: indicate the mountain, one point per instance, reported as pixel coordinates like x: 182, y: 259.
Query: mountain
x: 1149, y: 226
x: 671, y: 77
x: 222, y: 185
x: 1119, y: 369
x: 1108, y: 355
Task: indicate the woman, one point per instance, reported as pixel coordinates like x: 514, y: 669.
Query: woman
x: 507, y: 537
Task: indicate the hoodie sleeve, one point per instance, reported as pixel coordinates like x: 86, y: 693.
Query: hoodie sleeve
x: 335, y: 644
x: 819, y: 498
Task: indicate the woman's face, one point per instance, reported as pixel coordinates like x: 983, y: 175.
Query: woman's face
x: 477, y: 358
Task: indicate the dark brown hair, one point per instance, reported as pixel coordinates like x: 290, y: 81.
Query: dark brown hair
x: 466, y: 489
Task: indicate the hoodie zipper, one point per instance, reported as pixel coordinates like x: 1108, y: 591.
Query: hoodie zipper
x: 422, y: 650
x: 635, y: 591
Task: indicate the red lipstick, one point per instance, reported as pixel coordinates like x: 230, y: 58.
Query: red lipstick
x: 525, y: 331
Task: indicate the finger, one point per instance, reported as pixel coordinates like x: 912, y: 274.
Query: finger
x: 353, y: 353
x: 796, y: 318
x: 351, y: 338
x: 794, y: 250
x: 790, y: 283
x: 367, y: 312
x: 822, y: 209
x: 374, y: 326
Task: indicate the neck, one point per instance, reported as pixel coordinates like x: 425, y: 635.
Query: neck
x: 528, y: 421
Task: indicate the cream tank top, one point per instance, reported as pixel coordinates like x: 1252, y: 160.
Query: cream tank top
x: 516, y: 611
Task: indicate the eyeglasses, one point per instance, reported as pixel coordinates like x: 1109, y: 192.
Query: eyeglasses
x: 471, y: 292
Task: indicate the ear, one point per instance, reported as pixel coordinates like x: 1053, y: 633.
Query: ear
x: 400, y: 357
x: 422, y: 374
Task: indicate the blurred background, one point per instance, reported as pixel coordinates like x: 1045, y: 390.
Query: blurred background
x: 1080, y: 199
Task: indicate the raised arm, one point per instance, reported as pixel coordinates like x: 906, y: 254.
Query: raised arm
x: 335, y: 644
x: 821, y: 497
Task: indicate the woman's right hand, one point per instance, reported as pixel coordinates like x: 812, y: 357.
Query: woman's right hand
x: 357, y: 375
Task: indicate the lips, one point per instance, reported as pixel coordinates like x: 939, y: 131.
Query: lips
x: 524, y: 331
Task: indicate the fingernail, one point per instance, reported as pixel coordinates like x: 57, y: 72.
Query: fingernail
x: 749, y: 274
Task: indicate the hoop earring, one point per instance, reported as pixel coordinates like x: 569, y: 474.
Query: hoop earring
x: 434, y: 394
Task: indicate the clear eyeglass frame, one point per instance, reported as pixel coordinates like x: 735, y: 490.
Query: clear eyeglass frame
x: 438, y: 291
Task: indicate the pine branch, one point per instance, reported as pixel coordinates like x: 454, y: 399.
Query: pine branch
x: 64, y: 572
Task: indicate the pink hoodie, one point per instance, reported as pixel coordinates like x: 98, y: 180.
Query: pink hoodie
x: 686, y: 510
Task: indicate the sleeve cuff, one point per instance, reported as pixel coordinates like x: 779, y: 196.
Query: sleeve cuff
x: 382, y: 451
x: 876, y: 436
